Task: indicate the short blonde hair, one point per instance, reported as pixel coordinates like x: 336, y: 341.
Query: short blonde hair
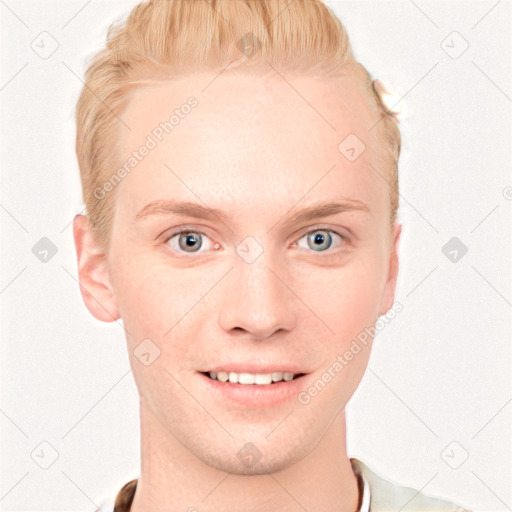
x: 162, y: 39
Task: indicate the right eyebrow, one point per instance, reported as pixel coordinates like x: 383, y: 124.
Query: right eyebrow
x: 183, y: 208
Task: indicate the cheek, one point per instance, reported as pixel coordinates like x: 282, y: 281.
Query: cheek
x: 156, y: 300
x: 348, y: 304
x: 143, y: 295
x: 347, y: 298
x: 152, y: 296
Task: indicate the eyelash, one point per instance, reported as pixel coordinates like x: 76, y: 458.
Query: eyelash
x: 189, y: 229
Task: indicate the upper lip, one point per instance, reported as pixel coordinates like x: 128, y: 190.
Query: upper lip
x: 251, y: 367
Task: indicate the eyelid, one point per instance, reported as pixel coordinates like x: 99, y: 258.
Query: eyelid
x: 319, y: 227
x: 185, y: 229
x: 331, y: 251
x: 195, y: 229
x: 169, y: 233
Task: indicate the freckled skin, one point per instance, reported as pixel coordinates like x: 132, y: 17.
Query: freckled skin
x: 255, y: 149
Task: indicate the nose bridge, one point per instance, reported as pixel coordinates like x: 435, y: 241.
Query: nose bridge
x: 256, y: 300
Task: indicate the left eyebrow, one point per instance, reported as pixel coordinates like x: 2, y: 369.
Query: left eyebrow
x: 326, y: 208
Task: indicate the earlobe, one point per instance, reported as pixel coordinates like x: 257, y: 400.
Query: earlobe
x: 93, y: 275
x: 392, y: 275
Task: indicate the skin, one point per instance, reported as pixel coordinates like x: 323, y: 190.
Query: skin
x: 256, y: 150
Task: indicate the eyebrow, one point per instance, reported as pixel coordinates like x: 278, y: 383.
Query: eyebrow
x: 190, y: 209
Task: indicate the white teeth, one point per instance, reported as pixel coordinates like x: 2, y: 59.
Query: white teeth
x: 263, y: 378
x: 222, y: 376
x: 251, y: 378
x: 277, y: 376
x: 246, y: 378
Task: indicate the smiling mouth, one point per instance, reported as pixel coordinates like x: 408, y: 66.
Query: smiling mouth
x: 255, y: 379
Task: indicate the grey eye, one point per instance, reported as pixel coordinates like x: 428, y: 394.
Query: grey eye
x: 319, y: 239
x: 188, y: 241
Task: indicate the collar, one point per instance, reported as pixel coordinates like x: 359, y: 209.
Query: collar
x: 125, y: 496
x: 365, y: 503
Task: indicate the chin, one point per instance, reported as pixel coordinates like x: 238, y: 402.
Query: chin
x: 237, y: 467
x: 251, y: 458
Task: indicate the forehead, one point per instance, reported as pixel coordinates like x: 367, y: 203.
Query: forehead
x: 249, y: 139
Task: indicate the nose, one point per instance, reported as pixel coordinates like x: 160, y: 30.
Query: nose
x: 257, y: 300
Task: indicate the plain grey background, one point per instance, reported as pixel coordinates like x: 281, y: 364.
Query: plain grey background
x: 437, y: 393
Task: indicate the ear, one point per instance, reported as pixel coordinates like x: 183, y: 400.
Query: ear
x: 93, y: 275
x: 390, y: 287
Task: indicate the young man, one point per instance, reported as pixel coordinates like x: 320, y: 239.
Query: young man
x: 240, y: 178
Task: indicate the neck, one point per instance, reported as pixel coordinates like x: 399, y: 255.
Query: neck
x: 172, y: 478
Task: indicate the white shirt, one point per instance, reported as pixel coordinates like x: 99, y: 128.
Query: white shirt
x: 379, y: 495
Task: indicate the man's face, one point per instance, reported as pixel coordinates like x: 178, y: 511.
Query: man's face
x: 254, y: 286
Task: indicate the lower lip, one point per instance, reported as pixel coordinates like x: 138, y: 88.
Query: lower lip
x: 254, y: 395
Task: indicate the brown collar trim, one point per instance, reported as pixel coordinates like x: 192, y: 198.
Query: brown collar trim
x: 125, y: 497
